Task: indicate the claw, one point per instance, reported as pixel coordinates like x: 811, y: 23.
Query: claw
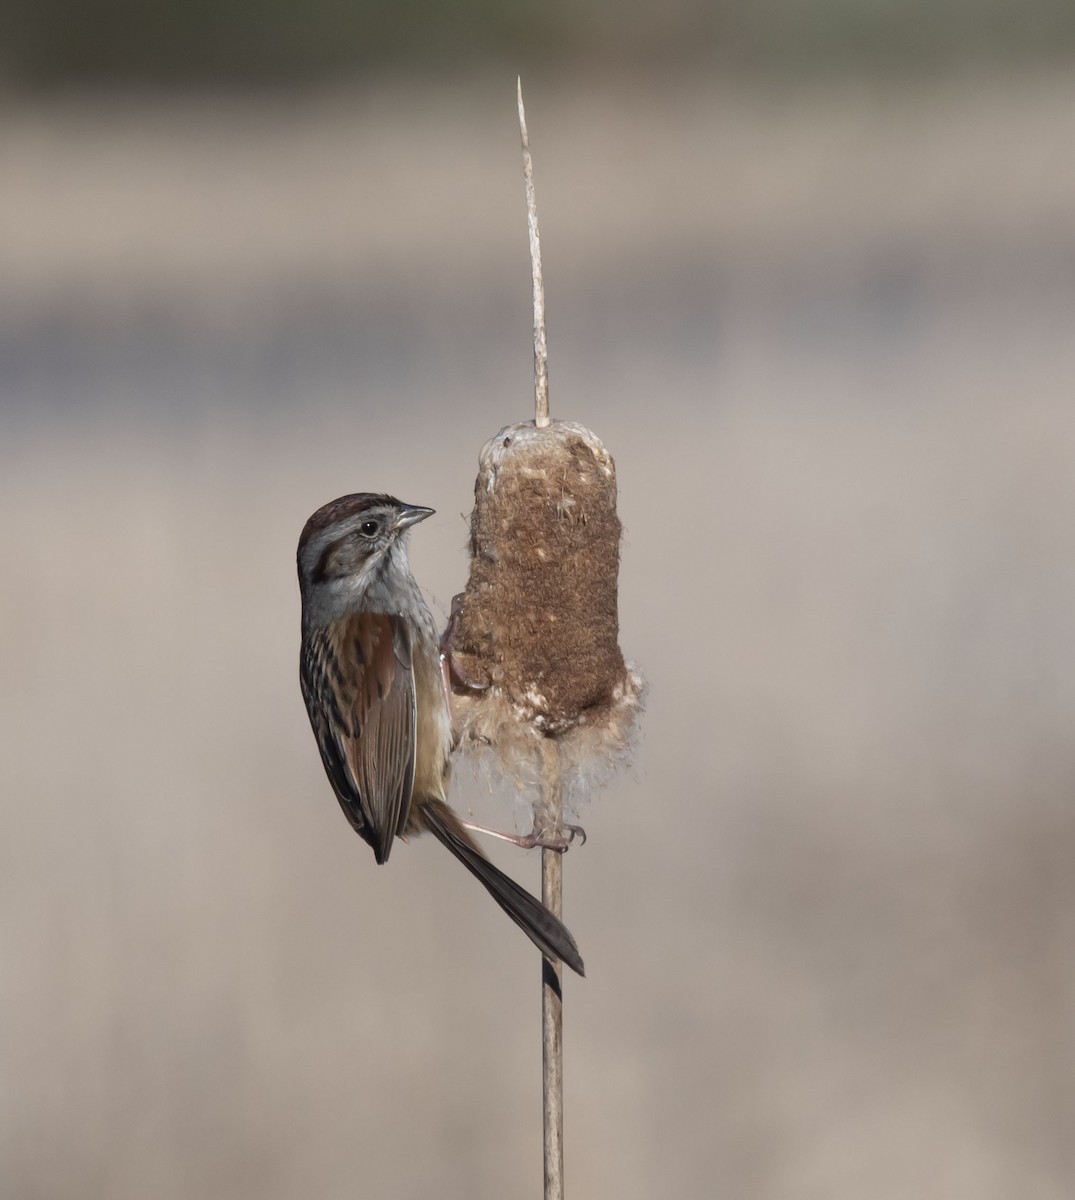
x: 451, y: 670
x: 576, y: 831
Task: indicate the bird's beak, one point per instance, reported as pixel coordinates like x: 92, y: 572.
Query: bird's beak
x: 410, y: 514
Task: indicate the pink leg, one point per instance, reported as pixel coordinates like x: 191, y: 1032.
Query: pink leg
x: 531, y: 840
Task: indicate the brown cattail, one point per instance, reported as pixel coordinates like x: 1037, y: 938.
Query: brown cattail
x: 533, y: 644
x: 536, y: 633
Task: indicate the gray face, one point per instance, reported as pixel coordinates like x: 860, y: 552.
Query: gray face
x: 352, y: 546
x: 358, y: 562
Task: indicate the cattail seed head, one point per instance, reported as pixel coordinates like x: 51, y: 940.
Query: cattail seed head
x: 537, y: 633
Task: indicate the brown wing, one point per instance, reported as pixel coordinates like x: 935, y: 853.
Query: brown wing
x: 360, y: 672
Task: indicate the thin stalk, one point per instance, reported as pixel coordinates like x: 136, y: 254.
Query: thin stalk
x: 552, y: 1043
x: 541, y: 349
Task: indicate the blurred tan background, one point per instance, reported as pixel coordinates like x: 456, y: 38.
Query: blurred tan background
x: 825, y: 320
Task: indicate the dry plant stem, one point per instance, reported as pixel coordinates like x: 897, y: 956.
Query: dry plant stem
x: 541, y: 350
x: 552, y: 1046
x: 551, y: 814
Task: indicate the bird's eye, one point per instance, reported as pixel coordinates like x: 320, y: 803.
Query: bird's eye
x: 369, y: 528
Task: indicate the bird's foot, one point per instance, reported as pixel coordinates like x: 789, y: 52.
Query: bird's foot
x: 450, y: 670
x: 533, y: 840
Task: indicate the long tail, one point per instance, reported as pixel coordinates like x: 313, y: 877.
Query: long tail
x: 547, y: 932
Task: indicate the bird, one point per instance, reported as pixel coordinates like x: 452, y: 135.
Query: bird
x: 372, y: 681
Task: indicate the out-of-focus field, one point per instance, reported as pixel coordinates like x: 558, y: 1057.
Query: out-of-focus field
x: 828, y: 919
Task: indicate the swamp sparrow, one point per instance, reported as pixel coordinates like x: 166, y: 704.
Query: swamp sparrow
x: 372, y: 681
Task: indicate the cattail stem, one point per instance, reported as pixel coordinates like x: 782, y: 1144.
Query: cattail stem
x: 550, y: 815
x: 552, y: 1043
x: 535, y: 634
x: 541, y: 349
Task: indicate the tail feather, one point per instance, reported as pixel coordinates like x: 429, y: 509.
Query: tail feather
x: 547, y: 932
